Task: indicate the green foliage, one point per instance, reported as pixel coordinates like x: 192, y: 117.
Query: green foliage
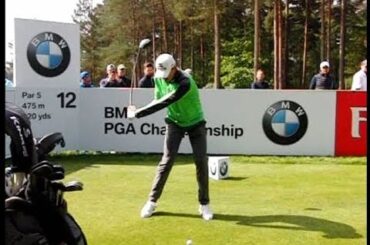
x: 356, y: 31
x: 111, y: 32
x: 237, y: 65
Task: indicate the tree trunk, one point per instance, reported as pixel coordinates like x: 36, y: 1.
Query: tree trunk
x: 285, y: 67
x: 276, y: 46
x: 136, y: 39
x: 153, y: 43
x: 191, y: 44
x: 343, y: 10
x: 154, y: 31
x: 180, y: 43
x: 176, y: 42
x: 322, y: 30
x: 280, y: 50
x: 328, y: 32
x: 257, y: 29
x: 305, y: 39
x: 164, y: 27
x: 278, y: 42
x: 217, y: 82
x: 202, y: 60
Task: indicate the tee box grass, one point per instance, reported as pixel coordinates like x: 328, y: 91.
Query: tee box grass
x: 265, y: 200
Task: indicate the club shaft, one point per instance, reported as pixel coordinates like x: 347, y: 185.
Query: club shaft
x: 133, y: 80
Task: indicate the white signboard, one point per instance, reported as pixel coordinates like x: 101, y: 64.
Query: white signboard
x: 270, y: 122
x: 47, y: 54
x: 103, y: 121
x: 52, y: 110
x: 265, y: 122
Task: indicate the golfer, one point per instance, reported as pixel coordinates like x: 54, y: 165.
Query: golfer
x: 177, y: 91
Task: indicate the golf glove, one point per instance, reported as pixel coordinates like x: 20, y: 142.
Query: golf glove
x: 131, y: 112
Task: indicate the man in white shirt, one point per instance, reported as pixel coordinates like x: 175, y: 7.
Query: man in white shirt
x: 360, y: 78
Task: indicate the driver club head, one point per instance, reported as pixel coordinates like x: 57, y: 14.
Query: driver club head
x: 144, y: 43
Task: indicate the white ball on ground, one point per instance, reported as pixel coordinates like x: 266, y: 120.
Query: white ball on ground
x: 189, y: 242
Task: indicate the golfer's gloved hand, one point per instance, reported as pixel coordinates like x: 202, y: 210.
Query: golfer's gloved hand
x: 131, y: 112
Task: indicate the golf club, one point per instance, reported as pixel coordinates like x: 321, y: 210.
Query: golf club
x: 143, y: 43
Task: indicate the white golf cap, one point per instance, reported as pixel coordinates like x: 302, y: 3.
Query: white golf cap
x: 163, y: 65
x: 324, y: 63
x: 111, y: 67
x: 121, y: 66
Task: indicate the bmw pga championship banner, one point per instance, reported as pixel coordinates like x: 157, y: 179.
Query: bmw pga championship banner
x: 243, y: 122
x: 47, y: 54
x: 255, y: 122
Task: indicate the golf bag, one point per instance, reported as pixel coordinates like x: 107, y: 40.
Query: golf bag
x: 35, y: 210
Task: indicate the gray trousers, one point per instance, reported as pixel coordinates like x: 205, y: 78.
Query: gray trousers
x: 172, y: 140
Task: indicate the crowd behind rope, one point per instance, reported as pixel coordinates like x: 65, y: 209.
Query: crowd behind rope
x: 323, y: 80
x: 116, y: 77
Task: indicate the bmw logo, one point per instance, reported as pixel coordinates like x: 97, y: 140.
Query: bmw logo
x: 223, y: 168
x: 48, y: 54
x: 285, y: 122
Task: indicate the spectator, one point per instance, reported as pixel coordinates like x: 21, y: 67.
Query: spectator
x: 123, y: 81
x: 86, y: 80
x: 111, y: 79
x: 147, y: 80
x: 360, y: 78
x: 323, y: 80
x: 260, y: 83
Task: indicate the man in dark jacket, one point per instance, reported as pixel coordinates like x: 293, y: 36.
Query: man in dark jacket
x: 123, y: 80
x: 111, y: 79
x: 147, y: 80
x: 323, y: 80
x: 260, y: 82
